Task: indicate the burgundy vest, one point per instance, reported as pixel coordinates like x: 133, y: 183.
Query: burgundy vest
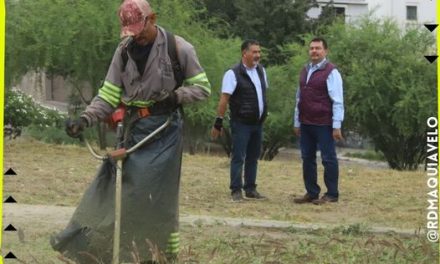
x: 315, y: 105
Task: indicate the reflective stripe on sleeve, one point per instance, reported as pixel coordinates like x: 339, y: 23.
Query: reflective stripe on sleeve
x: 141, y: 104
x: 200, y: 80
x: 110, y: 93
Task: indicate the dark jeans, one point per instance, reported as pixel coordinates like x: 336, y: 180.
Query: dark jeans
x: 246, y: 148
x: 311, y: 138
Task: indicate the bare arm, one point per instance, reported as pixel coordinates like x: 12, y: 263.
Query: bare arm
x: 223, y: 104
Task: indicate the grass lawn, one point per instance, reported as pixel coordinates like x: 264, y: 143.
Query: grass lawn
x: 221, y: 244
x: 57, y: 175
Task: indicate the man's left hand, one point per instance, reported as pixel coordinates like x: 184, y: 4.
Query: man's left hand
x: 172, y: 98
x: 337, y: 135
x: 75, y: 127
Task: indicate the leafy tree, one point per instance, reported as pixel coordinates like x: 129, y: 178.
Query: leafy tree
x: 74, y: 39
x: 326, y: 18
x: 77, y: 39
x: 218, y: 15
x: 389, y: 87
x: 272, y: 22
x: 278, y: 130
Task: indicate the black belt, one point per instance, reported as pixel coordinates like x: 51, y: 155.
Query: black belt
x: 162, y: 108
x: 158, y: 108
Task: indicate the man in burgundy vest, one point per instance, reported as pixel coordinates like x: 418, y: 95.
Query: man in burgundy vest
x: 318, y: 116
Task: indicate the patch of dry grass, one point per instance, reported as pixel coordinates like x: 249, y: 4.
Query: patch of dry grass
x: 367, y: 195
x: 57, y: 175
x: 46, y: 173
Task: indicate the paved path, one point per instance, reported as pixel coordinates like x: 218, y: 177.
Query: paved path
x: 29, y: 216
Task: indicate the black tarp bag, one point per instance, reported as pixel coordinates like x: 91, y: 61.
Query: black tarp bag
x: 150, y: 193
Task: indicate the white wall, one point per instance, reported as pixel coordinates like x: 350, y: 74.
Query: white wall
x: 395, y: 9
x: 353, y: 9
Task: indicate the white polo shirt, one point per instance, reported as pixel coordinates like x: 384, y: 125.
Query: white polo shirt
x: 229, y: 84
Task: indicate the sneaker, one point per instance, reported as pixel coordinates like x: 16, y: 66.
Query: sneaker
x: 305, y: 199
x: 254, y: 195
x: 237, y: 196
x: 325, y: 199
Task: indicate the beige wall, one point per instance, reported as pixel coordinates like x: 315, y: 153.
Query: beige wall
x: 42, y: 88
x: 34, y: 84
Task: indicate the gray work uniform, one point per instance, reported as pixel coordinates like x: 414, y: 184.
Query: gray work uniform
x: 157, y: 81
x: 150, y: 175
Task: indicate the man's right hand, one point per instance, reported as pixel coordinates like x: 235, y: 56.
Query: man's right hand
x: 75, y: 127
x: 215, y: 133
x: 297, y: 131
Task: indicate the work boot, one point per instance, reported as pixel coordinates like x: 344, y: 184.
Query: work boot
x: 325, y: 199
x: 305, y: 199
x: 237, y: 196
x: 253, y: 194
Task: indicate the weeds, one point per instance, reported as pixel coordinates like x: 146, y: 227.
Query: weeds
x: 225, y: 245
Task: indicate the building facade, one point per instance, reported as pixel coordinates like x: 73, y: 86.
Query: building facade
x: 405, y: 12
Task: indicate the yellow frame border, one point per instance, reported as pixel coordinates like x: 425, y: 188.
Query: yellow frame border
x: 2, y: 91
x: 437, y: 21
x: 2, y: 98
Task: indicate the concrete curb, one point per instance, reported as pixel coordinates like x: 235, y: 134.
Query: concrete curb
x: 44, y: 214
x: 198, y: 220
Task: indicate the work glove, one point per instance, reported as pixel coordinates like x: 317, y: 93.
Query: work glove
x: 75, y: 127
x: 218, y: 124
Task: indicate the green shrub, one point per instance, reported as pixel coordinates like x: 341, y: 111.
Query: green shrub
x: 57, y: 135
x: 50, y: 135
x: 22, y: 111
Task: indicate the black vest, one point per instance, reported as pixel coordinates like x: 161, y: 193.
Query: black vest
x: 243, y: 103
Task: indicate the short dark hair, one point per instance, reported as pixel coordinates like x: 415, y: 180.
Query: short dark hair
x: 319, y: 39
x: 249, y: 42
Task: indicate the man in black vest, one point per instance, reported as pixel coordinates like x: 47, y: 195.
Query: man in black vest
x: 244, y: 88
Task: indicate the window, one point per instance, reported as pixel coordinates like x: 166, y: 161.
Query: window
x: 411, y: 12
x: 340, y: 11
x: 331, y: 12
